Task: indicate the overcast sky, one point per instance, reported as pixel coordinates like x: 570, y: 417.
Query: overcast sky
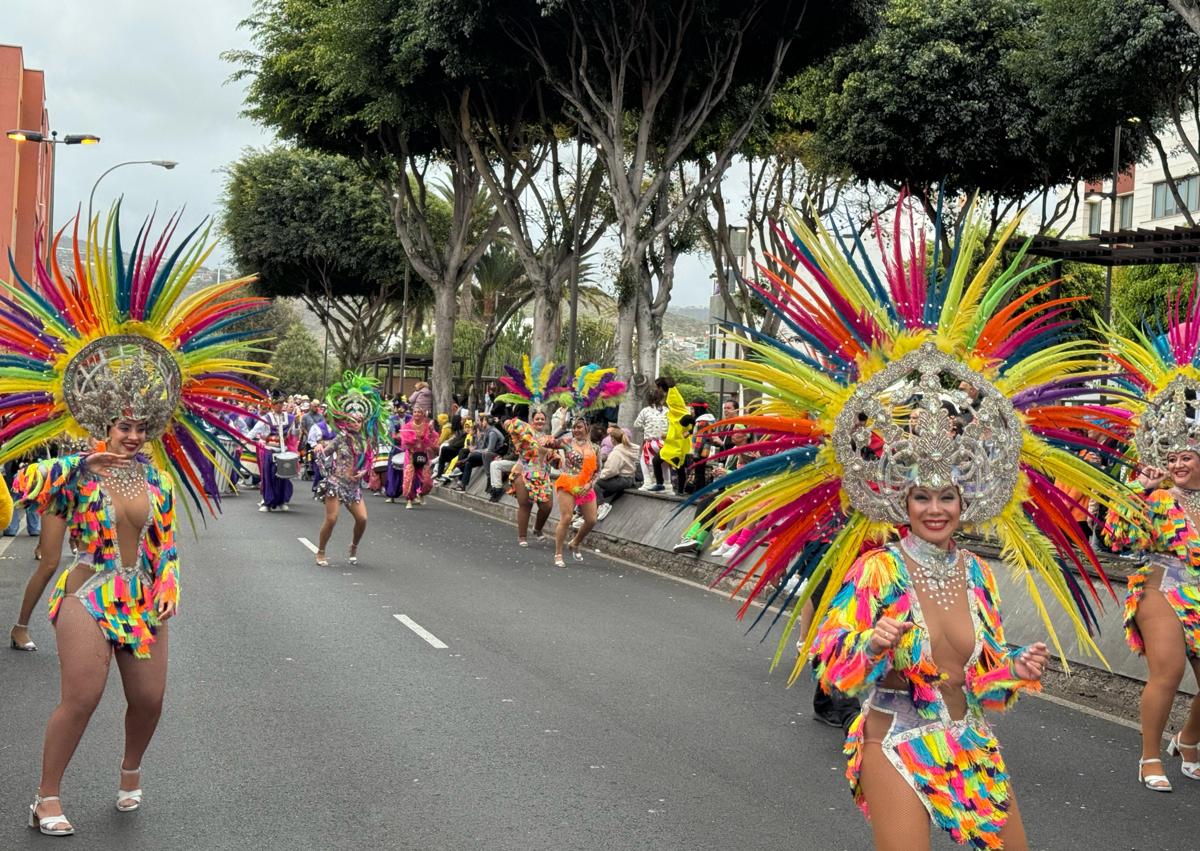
x: 145, y: 76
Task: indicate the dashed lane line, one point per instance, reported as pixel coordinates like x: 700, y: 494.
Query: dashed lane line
x: 433, y: 640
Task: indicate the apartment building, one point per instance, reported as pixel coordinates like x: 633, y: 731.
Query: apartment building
x: 1144, y: 198
x: 24, y: 169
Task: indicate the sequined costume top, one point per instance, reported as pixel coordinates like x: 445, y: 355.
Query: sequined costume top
x: 535, y: 468
x: 340, y: 461
x: 1170, y: 542
x: 582, y: 468
x: 120, y: 597
x: 955, y: 767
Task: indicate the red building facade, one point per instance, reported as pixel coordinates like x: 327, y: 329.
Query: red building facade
x: 24, y: 168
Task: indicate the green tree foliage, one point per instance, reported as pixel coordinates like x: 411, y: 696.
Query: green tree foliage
x: 1140, y: 293
x: 298, y: 363
x: 314, y: 227
x: 976, y: 92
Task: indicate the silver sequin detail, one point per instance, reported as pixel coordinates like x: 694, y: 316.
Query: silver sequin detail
x: 907, y: 405
x: 122, y: 375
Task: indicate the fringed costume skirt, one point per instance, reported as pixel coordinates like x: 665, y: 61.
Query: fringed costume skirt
x: 954, y: 767
x: 1181, y: 588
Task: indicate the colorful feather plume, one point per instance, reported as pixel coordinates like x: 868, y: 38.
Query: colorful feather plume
x: 534, y: 384
x: 843, y: 320
x: 594, y: 387
x: 45, y: 323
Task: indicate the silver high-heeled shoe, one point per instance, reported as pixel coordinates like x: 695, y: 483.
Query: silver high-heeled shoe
x: 16, y: 645
x: 49, y: 825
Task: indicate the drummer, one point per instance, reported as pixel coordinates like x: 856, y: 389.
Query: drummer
x: 318, y: 434
x: 275, y: 433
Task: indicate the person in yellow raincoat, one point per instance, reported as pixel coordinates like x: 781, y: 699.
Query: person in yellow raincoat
x: 678, y: 442
x: 6, y: 506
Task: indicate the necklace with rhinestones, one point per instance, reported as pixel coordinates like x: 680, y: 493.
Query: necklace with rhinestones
x: 1190, y: 499
x: 939, y: 572
x: 129, y: 482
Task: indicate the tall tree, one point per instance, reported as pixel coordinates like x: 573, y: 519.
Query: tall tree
x: 367, y: 78
x: 314, y: 227
x: 642, y: 81
x: 298, y: 363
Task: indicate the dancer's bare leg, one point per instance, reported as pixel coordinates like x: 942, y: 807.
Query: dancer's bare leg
x: 50, y: 545
x: 588, y: 512
x: 144, y: 682
x: 524, y: 507
x: 331, y: 516
x: 566, y: 507
x: 358, y: 511
x: 1166, y: 659
x: 83, y: 655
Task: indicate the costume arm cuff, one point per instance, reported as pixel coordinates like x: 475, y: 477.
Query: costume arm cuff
x: 843, y: 661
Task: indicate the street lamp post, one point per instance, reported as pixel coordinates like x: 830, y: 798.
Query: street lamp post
x: 1113, y: 198
x: 41, y: 139
x: 167, y: 164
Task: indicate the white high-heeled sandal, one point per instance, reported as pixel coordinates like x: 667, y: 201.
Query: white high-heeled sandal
x: 134, y: 795
x: 1153, y: 782
x: 353, y: 557
x: 46, y: 824
x: 1190, y: 769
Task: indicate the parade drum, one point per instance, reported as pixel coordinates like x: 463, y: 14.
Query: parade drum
x: 381, y: 464
x: 287, y: 465
x: 398, y: 460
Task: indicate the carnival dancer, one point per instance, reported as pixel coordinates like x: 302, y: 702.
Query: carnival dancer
x: 419, y: 437
x: 112, y: 349
x: 1162, y: 607
x: 592, y: 388
x: 272, y: 434
x: 915, y: 625
x: 354, y: 406
x: 533, y: 385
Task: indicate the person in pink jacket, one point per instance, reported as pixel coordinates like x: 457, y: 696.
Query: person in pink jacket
x: 419, y: 437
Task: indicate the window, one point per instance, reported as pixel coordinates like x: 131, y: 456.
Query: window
x: 1093, y: 218
x: 1125, y: 212
x: 1164, y: 200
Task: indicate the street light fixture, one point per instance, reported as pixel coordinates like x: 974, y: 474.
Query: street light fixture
x: 40, y: 138
x: 167, y: 164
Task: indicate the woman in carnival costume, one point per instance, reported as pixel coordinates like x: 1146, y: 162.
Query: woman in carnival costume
x: 913, y: 399
x: 419, y: 438
x: 354, y: 408
x: 593, y: 388
x: 534, y: 385
x: 113, y: 349
x: 1162, y: 608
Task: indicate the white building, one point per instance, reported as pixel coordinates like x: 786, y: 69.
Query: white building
x: 1144, y: 199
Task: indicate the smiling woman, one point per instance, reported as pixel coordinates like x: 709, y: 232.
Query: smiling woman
x: 122, y: 335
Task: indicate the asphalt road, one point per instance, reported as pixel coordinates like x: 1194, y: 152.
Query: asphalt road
x: 597, y: 707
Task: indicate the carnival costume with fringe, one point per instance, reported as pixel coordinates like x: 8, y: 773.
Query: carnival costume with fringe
x: 895, y: 376
x: 109, y: 338
x: 355, y: 410
x: 593, y: 388
x: 1162, y: 368
x: 534, y: 385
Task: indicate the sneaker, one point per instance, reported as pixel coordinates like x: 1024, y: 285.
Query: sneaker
x: 389, y: 499
x: 657, y: 488
x: 262, y: 507
x: 495, y: 495
x: 285, y: 507
x: 261, y: 503
x: 577, y: 523
x: 408, y: 504
x: 685, y: 545
x: 602, y: 511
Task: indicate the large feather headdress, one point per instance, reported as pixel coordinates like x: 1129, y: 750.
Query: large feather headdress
x: 534, y: 384
x: 1161, y: 365
x: 594, y: 387
x: 900, y: 372
x: 357, y: 397
x: 109, y: 336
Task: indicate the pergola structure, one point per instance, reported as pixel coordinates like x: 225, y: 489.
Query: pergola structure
x: 1135, y: 247
x: 394, y: 383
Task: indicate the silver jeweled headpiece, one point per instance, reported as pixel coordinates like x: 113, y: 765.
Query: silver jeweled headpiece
x: 123, y: 375
x: 1166, y: 426
x: 934, y: 434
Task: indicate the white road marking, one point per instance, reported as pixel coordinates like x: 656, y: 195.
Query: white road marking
x: 433, y: 640
x: 311, y: 546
